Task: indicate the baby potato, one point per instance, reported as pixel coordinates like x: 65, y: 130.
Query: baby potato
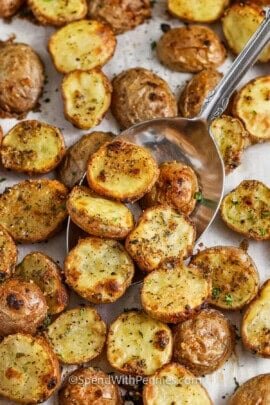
x: 190, y: 49
x: 254, y: 391
x: 141, y: 95
x: 204, y: 11
x: 8, y: 254
x: 9, y: 7
x: 59, y: 12
x: 22, y: 307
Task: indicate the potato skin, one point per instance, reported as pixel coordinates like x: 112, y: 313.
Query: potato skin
x: 253, y: 391
x: 8, y: 254
x: 190, y: 49
x: 9, y: 7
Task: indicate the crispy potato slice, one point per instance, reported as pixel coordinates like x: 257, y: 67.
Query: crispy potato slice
x: 74, y: 164
x: 82, y: 45
x: 77, y: 335
x: 8, y: 254
x: 9, y: 7
x: 162, y: 233
x: 45, y: 273
x: 99, y: 216
x: 122, y: 170
x: 246, y: 210
x: 171, y: 383
x: 58, y: 12
x: 204, y: 11
x: 86, y: 96
x: 239, y: 23
x: 252, y: 106
x: 235, y: 279
x: 137, y: 344
x: 29, y: 370
x: 255, y: 325
x: 32, y: 147
x: 33, y: 210
x: 254, y: 391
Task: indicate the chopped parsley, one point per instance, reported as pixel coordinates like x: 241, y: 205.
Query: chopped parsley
x: 228, y: 299
x: 153, y: 45
x: 216, y: 292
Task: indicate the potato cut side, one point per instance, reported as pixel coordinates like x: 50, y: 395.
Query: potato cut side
x: 122, y: 170
x: 138, y: 344
x: 8, y: 254
x: 45, y: 273
x: 162, y: 233
x: 175, y: 292
x: 256, y: 323
x: 82, y: 45
x: 254, y: 391
x: 99, y: 216
x: 252, y: 106
x: 77, y: 336
x: 29, y: 370
x: 205, y: 11
x: 171, y: 383
x: 86, y: 96
x: 246, y: 210
x: 235, y: 279
x: 58, y: 12
x: 32, y: 147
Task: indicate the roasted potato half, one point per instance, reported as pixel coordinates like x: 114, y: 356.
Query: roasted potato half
x: 91, y: 386
x: 74, y: 164
x: 32, y: 147
x: 246, y: 210
x: 252, y: 106
x: 33, y: 210
x: 122, y: 170
x: 254, y: 391
x: 8, y: 255
x: 141, y: 95
x: 59, y: 12
x: 204, y: 11
x: 86, y: 96
x: 29, y: 370
x: 171, y: 383
x: 255, y: 324
x: 77, y: 335
x: 138, y: 344
x: 176, y: 186
x: 235, y: 279
x: 99, y: 216
x: 190, y: 49
x: 82, y: 45
x: 9, y: 7
x: 43, y: 271
x: 162, y: 233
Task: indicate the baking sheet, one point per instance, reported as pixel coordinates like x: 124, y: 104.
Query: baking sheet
x: 135, y: 49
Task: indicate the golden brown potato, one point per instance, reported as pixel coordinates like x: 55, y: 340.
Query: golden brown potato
x: 204, y: 11
x: 73, y: 166
x: 190, y: 49
x: 141, y: 95
x: 58, y: 12
x: 22, y: 307
x: 122, y: 15
x: 210, y: 330
x: 8, y: 254
x: 254, y: 391
x: 176, y: 186
x: 196, y: 90
x: 21, y: 79
x: 9, y: 7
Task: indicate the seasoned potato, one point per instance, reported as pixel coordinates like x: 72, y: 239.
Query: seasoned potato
x: 43, y: 271
x: 32, y: 147
x: 246, y: 210
x: 175, y: 292
x: 239, y: 23
x: 137, y: 344
x: 255, y: 324
x: 97, y: 215
x: 122, y: 170
x: 90, y: 386
x: 235, y: 279
x: 141, y: 95
x: 209, y: 330
x: 33, y: 210
x: 59, y: 12
x: 161, y: 234
x: 8, y: 254
x: 176, y: 186
x: 196, y: 90
x: 204, y: 11
x: 252, y: 106
x: 29, y: 370
x: 77, y: 336
x: 21, y: 79
x: 20, y: 302
x: 190, y: 49
x: 86, y: 96
x: 9, y: 7
x: 73, y: 166
x: 254, y: 391
x: 173, y: 383
x: 82, y: 45
x: 100, y: 270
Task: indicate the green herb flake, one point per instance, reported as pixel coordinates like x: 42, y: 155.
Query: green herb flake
x: 2, y: 179
x: 228, y: 299
x: 262, y: 231
x: 265, y: 214
x: 198, y: 196
x: 216, y: 292
x: 153, y: 45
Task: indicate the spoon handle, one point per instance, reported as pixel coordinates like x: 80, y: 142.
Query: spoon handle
x: 217, y: 101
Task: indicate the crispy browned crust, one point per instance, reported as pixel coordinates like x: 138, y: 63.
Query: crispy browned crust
x: 8, y: 254
x: 9, y: 7
x: 188, y: 17
x: 253, y: 391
